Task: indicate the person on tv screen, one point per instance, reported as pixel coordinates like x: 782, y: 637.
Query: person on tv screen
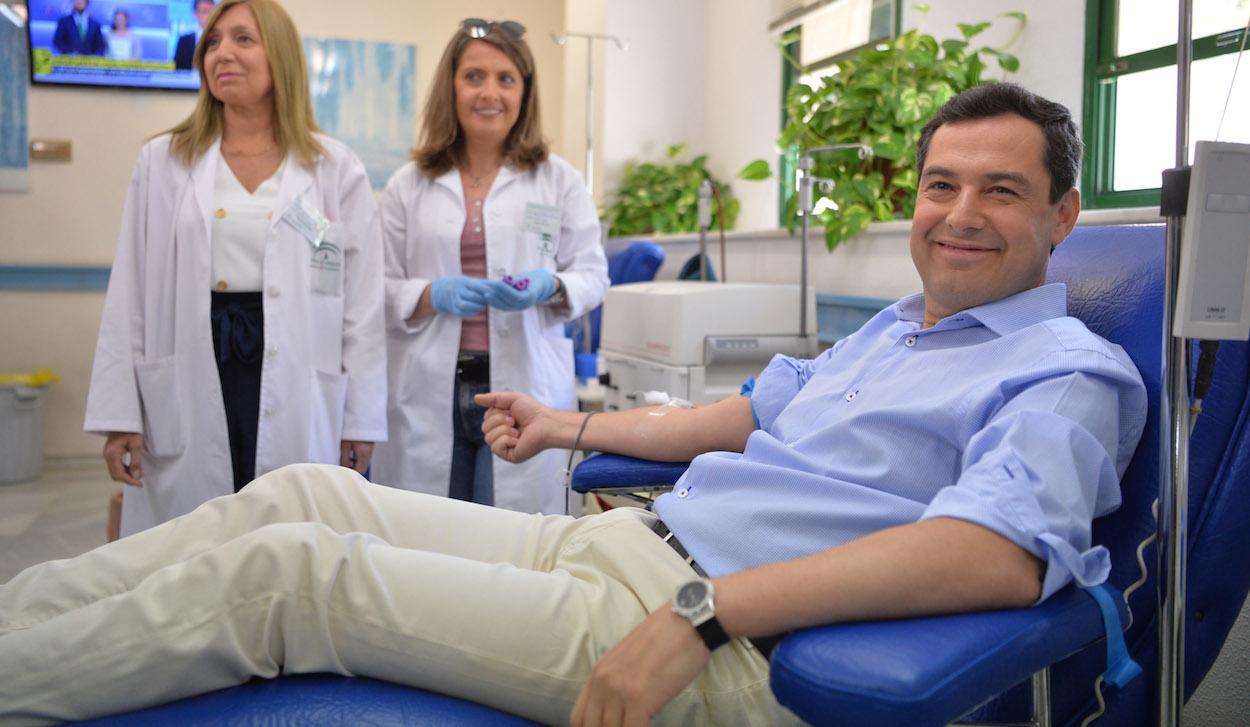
x: 122, y: 43
x: 184, y: 53
x: 77, y: 33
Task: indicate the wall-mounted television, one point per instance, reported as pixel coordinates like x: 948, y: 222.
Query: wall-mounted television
x: 129, y: 43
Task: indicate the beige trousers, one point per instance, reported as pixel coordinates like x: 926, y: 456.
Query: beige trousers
x: 313, y: 569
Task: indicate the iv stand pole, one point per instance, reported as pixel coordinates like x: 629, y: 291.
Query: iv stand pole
x: 590, y: 126
x: 622, y: 44
x: 1174, y: 449
x: 806, y: 180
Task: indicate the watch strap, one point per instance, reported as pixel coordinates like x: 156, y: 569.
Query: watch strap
x: 558, y: 296
x: 712, y: 633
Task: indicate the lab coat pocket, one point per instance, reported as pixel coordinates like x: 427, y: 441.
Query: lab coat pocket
x: 325, y: 273
x: 327, y: 398
x: 164, y: 434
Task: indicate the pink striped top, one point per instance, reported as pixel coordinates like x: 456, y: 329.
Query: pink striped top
x: 474, y: 334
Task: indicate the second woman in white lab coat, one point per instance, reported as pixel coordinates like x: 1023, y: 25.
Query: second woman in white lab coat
x: 243, y: 325
x: 492, y: 244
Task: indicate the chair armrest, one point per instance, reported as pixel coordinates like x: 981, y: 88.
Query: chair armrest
x: 616, y: 472
x: 927, y: 671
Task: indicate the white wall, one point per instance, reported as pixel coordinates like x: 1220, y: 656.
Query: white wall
x: 656, y: 87
x: 706, y: 72
x: 743, y: 98
x: 1051, y: 49
x: 706, y: 75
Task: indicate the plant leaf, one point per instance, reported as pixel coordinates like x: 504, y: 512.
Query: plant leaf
x: 971, y: 30
x: 756, y: 171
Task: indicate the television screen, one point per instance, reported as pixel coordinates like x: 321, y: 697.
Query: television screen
x: 133, y: 43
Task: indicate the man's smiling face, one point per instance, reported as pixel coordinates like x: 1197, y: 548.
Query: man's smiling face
x: 984, y: 225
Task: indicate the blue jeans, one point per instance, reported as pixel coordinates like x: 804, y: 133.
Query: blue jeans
x: 472, y: 477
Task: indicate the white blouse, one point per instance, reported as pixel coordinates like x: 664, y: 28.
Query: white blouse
x: 240, y: 223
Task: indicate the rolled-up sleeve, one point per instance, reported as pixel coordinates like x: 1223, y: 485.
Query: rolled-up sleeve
x: 1048, y: 462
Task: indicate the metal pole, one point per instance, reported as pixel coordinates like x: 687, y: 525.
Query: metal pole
x: 590, y: 125
x: 590, y: 116
x: 1174, y: 450
x: 806, y: 164
x: 705, y: 221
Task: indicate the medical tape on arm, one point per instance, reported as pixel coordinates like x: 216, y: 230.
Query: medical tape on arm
x: 666, y: 404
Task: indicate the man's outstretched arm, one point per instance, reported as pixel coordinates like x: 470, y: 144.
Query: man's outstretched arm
x: 517, y: 427
x: 936, y: 566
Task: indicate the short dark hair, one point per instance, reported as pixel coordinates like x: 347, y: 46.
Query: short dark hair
x: 1062, y: 152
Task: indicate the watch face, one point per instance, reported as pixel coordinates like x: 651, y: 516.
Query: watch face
x: 691, y: 594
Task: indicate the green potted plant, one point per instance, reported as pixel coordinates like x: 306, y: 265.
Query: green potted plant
x: 882, y: 96
x: 657, y: 198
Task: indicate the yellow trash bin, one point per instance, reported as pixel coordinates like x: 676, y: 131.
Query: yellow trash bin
x: 23, y: 412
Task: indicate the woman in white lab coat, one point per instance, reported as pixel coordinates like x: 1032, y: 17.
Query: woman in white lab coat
x: 243, y: 326
x: 492, y: 244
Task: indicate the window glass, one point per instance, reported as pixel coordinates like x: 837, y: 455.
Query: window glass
x: 1143, y: 25
x: 1145, y: 126
x: 838, y: 27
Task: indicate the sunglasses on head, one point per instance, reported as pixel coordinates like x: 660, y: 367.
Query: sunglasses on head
x: 478, y: 28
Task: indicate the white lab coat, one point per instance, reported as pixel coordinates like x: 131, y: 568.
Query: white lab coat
x: 422, y: 221
x: 322, y: 378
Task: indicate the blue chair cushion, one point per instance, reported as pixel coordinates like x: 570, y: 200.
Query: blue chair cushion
x: 607, y: 472
x: 320, y: 699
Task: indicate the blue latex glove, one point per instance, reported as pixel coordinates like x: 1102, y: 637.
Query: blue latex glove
x: 458, y: 295
x: 506, y: 297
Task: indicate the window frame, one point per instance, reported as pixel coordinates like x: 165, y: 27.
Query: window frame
x: 788, y: 161
x: 1102, y: 68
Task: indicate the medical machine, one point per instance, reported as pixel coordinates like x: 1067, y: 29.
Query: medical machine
x: 1213, y: 288
x: 696, y: 341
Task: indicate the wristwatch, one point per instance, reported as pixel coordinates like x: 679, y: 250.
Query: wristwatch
x: 693, y: 602
x: 558, y: 296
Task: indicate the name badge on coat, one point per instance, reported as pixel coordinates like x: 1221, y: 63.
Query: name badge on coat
x: 326, y: 264
x: 326, y: 275
x: 307, y: 221
x: 542, y: 228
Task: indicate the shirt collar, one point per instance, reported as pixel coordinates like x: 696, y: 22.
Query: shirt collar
x: 1002, y: 316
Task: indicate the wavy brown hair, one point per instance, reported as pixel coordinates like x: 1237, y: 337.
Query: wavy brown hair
x: 442, y: 141
x: 293, y: 119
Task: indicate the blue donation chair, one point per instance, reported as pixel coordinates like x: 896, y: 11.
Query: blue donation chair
x: 637, y: 263
x: 931, y: 671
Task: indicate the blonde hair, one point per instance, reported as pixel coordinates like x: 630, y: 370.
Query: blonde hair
x: 294, y: 123
x: 442, y: 142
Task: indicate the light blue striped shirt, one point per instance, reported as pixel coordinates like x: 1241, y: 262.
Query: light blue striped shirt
x: 1011, y: 415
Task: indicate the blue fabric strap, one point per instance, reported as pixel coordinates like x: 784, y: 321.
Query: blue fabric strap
x: 1121, y: 669
x: 748, y: 387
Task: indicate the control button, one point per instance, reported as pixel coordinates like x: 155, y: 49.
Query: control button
x: 220, y: 213
x: 683, y: 492
x: 850, y: 395
x: 911, y: 341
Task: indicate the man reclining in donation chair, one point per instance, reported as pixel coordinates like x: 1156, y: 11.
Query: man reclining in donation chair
x: 947, y: 457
